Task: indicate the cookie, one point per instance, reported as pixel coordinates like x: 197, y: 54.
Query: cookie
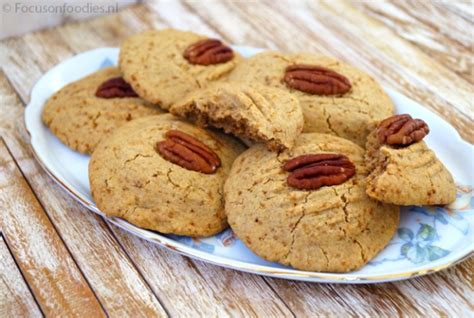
x: 80, y: 119
x: 307, y: 207
x: 164, y: 174
x: 404, y: 170
x: 336, y: 98
x: 163, y: 66
x: 252, y: 112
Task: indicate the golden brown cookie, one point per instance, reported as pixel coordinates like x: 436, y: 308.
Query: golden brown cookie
x: 307, y: 207
x: 404, y: 170
x: 163, y: 66
x: 164, y: 174
x: 252, y: 112
x: 80, y: 118
x: 336, y: 98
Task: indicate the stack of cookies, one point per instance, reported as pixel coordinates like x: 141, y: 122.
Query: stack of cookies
x: 302, y: 155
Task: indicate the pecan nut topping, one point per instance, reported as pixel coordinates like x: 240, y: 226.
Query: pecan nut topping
x: 402, y: 130
x: 207, y: 52
x: 316, y: 80
x: 115, y: 87
x: 186, y: 151
x: 312, y: 171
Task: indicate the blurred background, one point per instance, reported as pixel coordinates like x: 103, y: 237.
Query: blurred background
x: 21, y: 16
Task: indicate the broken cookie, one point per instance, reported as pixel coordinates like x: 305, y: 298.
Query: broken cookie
x: 252, y: 112
x: 404, y: 170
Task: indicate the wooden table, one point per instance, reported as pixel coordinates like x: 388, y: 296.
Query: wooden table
x: 58, y: 259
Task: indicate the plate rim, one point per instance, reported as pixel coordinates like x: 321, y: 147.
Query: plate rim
x: 176, y: 246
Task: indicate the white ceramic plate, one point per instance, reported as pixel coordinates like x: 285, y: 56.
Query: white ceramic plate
x: 429, y: 239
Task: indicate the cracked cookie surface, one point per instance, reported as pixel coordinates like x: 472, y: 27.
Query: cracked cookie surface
x: 344, y: 115
x: 131, y: 180
x: 410, y: 175
x: 253, y: 112
x: 153, y: 63
x: 334, y: 228
x: 80, y: 119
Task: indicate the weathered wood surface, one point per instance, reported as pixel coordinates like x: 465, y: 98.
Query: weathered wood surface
x: 49, y: 269
x: 423, y: 49
x: 15, y: 297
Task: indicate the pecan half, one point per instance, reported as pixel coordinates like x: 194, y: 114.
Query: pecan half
x: 316, y: 80
x: 188, y: 152
x: 311, y: 172
x: 207, y: 52
x: 115, y: 87
x: 402, y: 130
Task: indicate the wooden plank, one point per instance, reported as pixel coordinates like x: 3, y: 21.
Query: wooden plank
x: 462, y: 8
x: 47, y: 266
x: 193, y: 288
x: 114, y: 279
x: 425, y: 296
x: 75, y: 38
x: 216, y: 19
x: 448, y: 293
x: 429, y: 26
x: 16, y: 58
x: 344, y: 300
x: 15, y: 297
